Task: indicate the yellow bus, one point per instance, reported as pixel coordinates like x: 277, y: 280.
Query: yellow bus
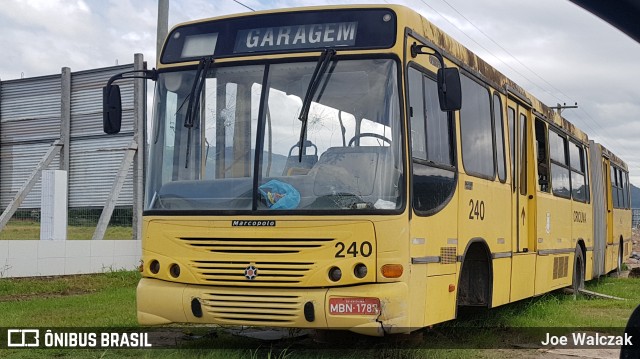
x: 354, y: 167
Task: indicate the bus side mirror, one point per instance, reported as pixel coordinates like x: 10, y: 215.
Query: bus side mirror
x: 449, y: 89
x: 111, y: 109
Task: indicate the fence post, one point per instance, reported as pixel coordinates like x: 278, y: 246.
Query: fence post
x: 107, y: 211
x: 65, y: 135
x: 53, y: 205
x: 65, y: 117
x: 139, y: 112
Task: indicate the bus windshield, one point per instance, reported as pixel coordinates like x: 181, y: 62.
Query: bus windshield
x: 243, y: 153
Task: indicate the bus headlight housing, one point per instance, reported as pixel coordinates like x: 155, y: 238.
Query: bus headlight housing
x: 335, y: 274
x: 154, y: 266
x: 360, y: 270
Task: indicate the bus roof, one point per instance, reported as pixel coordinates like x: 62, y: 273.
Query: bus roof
x: 471, y: 61
x: 451, y: 48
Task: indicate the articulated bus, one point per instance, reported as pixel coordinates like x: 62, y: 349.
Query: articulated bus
x: 354, y: 167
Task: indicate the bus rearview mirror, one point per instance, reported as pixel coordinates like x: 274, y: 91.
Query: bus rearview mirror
x: 111, y: 109
x: 449, y: 89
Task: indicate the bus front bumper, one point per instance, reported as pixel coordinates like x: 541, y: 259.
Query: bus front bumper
x: 161, y: 302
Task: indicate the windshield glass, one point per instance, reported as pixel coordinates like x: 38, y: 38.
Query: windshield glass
x: 243, y: 150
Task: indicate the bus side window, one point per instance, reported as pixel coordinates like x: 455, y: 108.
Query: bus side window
x: 578, y: 172
x: 543, y: 156
x: 626, y: 190
x: 560, y: 173
x: 433, y: 177
x: 586, y: 176
x: 511, y: 117
x: 614, y: 186
x: 498, y: 134
x: 476, y: 130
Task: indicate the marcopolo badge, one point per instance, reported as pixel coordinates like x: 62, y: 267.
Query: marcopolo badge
x: 251, y: 272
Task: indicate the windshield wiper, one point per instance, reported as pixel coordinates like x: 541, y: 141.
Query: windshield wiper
x: 194, y: 100
x: 321, y: 68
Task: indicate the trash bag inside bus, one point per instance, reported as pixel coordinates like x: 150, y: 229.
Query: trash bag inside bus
x: 247, y: 133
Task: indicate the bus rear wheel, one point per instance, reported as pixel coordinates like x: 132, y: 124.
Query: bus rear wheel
x: 620, y: 260
x: 578, y: 271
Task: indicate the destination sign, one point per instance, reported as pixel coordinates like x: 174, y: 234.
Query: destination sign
x: 297, y: 37
x: 294, y: 31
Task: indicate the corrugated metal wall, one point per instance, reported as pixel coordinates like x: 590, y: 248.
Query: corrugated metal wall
x: 36, y: 97
x: 92, y: 168
x: 86, y: 101
x: 30, y: 111
x: 29, y: 123
x: 17, y: 162
x: 95, y: 157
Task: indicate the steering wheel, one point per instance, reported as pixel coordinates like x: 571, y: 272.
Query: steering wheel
x: 368, y: 134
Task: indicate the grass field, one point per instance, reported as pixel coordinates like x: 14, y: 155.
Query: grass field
x: 108, y: 300
x: 31, y: 230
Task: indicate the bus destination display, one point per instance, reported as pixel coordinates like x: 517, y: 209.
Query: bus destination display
x: 297, y: 37
x: 282, y: 32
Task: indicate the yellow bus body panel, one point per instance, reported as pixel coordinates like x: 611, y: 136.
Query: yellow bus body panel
x: 161, y: 302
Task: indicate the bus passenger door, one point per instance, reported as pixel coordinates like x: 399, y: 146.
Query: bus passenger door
x: 523, y: 264
x: 610, y: 255
x: 606, y: 173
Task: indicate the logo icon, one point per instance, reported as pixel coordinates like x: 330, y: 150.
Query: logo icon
x: 23, y: 338
x: 251, y: 272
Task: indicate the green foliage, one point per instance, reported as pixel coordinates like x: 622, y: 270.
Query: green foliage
x: 624, y: 267
x: 25, y: 224
x: 103, y: 299
x: 25, y: 230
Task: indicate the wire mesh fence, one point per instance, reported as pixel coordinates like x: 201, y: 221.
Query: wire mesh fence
x: 82, y: 222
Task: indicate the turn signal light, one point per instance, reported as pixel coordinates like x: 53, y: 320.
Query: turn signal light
x: 392, y: 270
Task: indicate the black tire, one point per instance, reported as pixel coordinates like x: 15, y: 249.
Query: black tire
x: 578, y: 271
x: 620, y: 260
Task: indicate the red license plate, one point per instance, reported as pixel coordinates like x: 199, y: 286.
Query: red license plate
x: 354, y: 306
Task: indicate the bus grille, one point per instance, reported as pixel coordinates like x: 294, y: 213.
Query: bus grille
x: 243, y: 309
x: 293, y: 255
x: 255, y: 246
x: 228, y: 272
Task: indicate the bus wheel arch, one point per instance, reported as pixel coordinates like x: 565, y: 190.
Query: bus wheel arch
x: 579, y: 267
x: 475, y: 283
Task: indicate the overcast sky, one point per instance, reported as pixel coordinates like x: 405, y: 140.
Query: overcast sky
x: 554, y: 49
